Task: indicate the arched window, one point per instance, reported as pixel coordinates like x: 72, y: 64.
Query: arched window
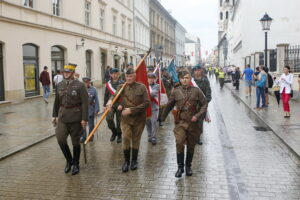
x: 227, y: 15
x: 221, y: 15
x: 57, y: 60
x: 88, y: 57
x: 31, y: 69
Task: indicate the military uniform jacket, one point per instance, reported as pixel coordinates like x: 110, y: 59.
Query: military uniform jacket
x: 135, y: 97
x: 203, y: 84
x: 107, y: 94
x: 71, y: 101
x: 93, y: 101
x: 190, y: 102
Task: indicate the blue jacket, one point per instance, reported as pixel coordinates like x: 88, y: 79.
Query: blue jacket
x: 93, y: 101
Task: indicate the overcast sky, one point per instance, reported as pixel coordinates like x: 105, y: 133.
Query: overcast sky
x: 198, y: 17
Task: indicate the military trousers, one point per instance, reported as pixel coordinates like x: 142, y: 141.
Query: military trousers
x: 110, y: 119
x: 63, y: 130
x: 151, y: 125
x: 187, y: 136
x: 91, y: 123
x: 131, y: 134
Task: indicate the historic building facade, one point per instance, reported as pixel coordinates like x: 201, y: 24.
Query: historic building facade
x: 192, y: 50
x: 162, y: 35
x: 92, y: 34
x: 179, y: 44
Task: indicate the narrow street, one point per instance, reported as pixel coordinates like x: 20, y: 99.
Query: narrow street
x: 236, y: 161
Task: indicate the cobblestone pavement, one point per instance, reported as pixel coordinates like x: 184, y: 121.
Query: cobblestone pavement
x: 287, y: 129
x: 235, y: 162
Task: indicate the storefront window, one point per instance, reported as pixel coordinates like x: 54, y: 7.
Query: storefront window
x: 31, y: 69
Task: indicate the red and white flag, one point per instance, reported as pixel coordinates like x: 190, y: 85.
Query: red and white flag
x: 162, y: 97
x: 110, y: 88
x: 207, y: 117
x: 141, y: 77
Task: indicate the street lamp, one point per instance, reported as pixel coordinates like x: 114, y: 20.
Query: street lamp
x: 266, y: 23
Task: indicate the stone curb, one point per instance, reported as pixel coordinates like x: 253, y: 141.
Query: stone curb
x: 25, y: 146
x: 264, y: 121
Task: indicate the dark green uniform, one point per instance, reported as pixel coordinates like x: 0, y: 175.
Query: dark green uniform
x: 203, y: 84
x: 71, y: 107
x: 115, y: 128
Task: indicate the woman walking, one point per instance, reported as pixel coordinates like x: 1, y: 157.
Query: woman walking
x: 286, y: 82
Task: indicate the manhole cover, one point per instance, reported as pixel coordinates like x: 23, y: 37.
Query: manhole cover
x: 261, y: 128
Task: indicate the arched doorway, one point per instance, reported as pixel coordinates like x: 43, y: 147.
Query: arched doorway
x: 31, y: 69
x: 103, y: 65
x: 88, y: 58
x: 2, y: 91
x: 57, y: 61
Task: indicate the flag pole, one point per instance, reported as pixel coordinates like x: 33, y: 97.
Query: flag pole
x: 114, y: 100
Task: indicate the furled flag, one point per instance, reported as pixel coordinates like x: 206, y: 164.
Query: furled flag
x: 162, y: 97
x: 172, y: 71
x: 141, y: 77
x: 207, y: 117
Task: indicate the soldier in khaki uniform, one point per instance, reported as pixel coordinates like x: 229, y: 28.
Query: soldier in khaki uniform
x: 133, y: 103
x: 191, y: 108
x: 70, y: 114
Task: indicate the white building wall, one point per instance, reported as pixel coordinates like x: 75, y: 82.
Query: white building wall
x: 142, y: 26
x: 245, y: 27
x: 179, y: 44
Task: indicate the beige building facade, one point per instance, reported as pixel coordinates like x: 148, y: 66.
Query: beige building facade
x: 162, y: 34
x: 37, y: 33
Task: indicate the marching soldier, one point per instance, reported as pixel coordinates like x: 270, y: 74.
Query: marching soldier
x: 203, y: 83
x: 151, y: 123
x: 70, y: 114
x: 191, y: 108
x: 93, y: 103
x: 133, y: 103
x: 111, y: 87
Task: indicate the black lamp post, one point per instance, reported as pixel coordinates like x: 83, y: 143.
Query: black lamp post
x: 266, y: 23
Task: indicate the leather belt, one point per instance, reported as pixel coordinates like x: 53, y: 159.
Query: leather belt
x: 71, y: 106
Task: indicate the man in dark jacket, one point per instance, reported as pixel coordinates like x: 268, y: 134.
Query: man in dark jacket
x: 45, y: 80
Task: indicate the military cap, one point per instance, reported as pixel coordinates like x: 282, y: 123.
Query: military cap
x: 183, y: 72
x: 130, y: 71
x: 70, y: 67
x: 114, y: 70
x: 151, y: 75
x: 84, y: 79
x: 198, y: 66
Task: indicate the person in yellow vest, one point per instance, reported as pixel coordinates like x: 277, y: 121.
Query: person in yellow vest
x: 221, y: 78
x: 217, y: 73
x: 210, y: 71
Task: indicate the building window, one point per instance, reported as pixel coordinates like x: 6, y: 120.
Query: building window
x: 56, y: 7
x: 123, y: 29
x: 31, y: 69
x: 227, y: 15
x: 221, y: 1
x: 57, y: 61
x: 129, y: 31
x: 28, y: 3
x: 233, y: 2
x: 88, y: 56
x: 221, y: 15
x: 102, y: 19
x: 87, y: 13
x: 115, y: 25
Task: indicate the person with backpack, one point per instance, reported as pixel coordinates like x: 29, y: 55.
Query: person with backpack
x: 260, y: 88
x: 269, y: 84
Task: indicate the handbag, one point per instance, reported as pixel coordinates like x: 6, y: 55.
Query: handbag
x: 292, y: 93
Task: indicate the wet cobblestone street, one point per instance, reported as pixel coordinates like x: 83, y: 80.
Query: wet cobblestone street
x: 235, y: 162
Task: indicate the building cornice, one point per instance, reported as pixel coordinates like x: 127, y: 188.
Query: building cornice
x: 43, y: 27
